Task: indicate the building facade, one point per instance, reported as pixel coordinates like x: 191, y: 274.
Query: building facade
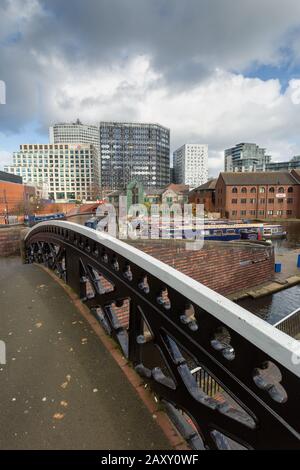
x: 71, y: 171
x: 204, y: 194
x: 266, y: 195
x: 245, y: 157
x: 289, y: 165
x: 134, y: 151
x: 14, y: 196
x: 74, y: 133
x: 190, y: 163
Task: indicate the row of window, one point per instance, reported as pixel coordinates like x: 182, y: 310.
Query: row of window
x: 289, y: 200
x: 263, y: 190
x: 262, y: 212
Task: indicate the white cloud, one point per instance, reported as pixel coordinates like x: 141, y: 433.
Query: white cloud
x: 142, y: 60
x: 5, y: 158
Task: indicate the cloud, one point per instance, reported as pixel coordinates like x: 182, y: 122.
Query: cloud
x: 5, y: 158
x: 182, y: 64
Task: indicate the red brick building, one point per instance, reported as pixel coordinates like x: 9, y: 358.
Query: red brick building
x: 261, y: 195
x: 204, y: 194
x: 13, y: 195
x: 296, y: 175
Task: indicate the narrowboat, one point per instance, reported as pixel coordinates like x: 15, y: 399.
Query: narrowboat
x: 35, y: 219
x: 274, y: 231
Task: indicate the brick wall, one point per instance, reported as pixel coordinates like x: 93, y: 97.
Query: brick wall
x: 10, y: 241
x: 225, y: 267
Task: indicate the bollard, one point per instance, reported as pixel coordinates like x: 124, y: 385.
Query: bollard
x: 277, y: 267
x: 298, y: 262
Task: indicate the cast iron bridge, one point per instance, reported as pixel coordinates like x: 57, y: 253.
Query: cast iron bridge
x: 226, y: 378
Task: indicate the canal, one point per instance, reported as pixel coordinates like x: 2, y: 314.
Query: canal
x: 274, y: 307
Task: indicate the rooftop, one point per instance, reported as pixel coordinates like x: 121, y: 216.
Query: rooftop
x: 210, y: 184
x: 268, y: 177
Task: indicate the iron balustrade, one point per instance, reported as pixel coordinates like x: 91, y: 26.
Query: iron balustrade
x: 170, y: 327
x: 290, y: 324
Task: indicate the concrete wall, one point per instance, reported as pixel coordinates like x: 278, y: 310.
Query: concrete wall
x: 226, y: 267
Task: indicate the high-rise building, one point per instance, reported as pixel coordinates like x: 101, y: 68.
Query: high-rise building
x: 293, y: 164
x: 127, y: 151
x: 134, y: 151
x: 74, y: 133
x: 71, y: 171
x: 245, y: 157
x: 191, y: 164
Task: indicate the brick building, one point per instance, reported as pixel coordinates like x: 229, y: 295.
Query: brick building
x: 13, y: 195
x: 204, y: 194
x: 264, y: 195
x: 296, y: 175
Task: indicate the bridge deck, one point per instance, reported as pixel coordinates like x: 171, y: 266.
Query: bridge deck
x: 60, y: 388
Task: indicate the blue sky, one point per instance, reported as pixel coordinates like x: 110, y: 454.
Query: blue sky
x: 213, y: 72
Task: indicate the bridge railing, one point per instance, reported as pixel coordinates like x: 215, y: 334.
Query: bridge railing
x: 171, y: 327
x: 290, y: 324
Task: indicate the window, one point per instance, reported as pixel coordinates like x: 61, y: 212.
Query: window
x: 243, y: 201
x: 290, y: 189
x: 280, y: 201
x: 270, y: 212
x: 281, y: 190
x: 234, y: 201
x: 289, y: 200
x: 243, y: 212
x: 234, y: 190
x: 234, y: 213
x: 252, y: 212
x: 252, y: 201
x: 262, y: 190
x: 261, y: 212
x: 289, y: 212
x: 253, y: 190
x: 271, y: 190
x: 271, y: 201
x: 244, y: 190
x: 262, y: 201
x: 279, y: 212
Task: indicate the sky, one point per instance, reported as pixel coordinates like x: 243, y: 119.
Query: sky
x: 218, y: 72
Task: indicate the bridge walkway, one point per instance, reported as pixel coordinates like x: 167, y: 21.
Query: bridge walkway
x: 60, y: 388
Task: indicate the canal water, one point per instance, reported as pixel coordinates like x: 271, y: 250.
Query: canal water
x: 274, y: 307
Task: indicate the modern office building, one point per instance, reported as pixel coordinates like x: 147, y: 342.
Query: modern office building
x: 127, y: 151
x: 245, y: 157
x: 74, y: 133
x: 134, y: 152
x: 293, y: 164
x: 191, y: 164
x: 71, y: 171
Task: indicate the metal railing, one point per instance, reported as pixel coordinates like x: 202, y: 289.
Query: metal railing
x: 290, y: 324
x: 168, y: 324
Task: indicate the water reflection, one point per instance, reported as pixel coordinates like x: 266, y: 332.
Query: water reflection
x: 273, y: 308
x: 293, y: 237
